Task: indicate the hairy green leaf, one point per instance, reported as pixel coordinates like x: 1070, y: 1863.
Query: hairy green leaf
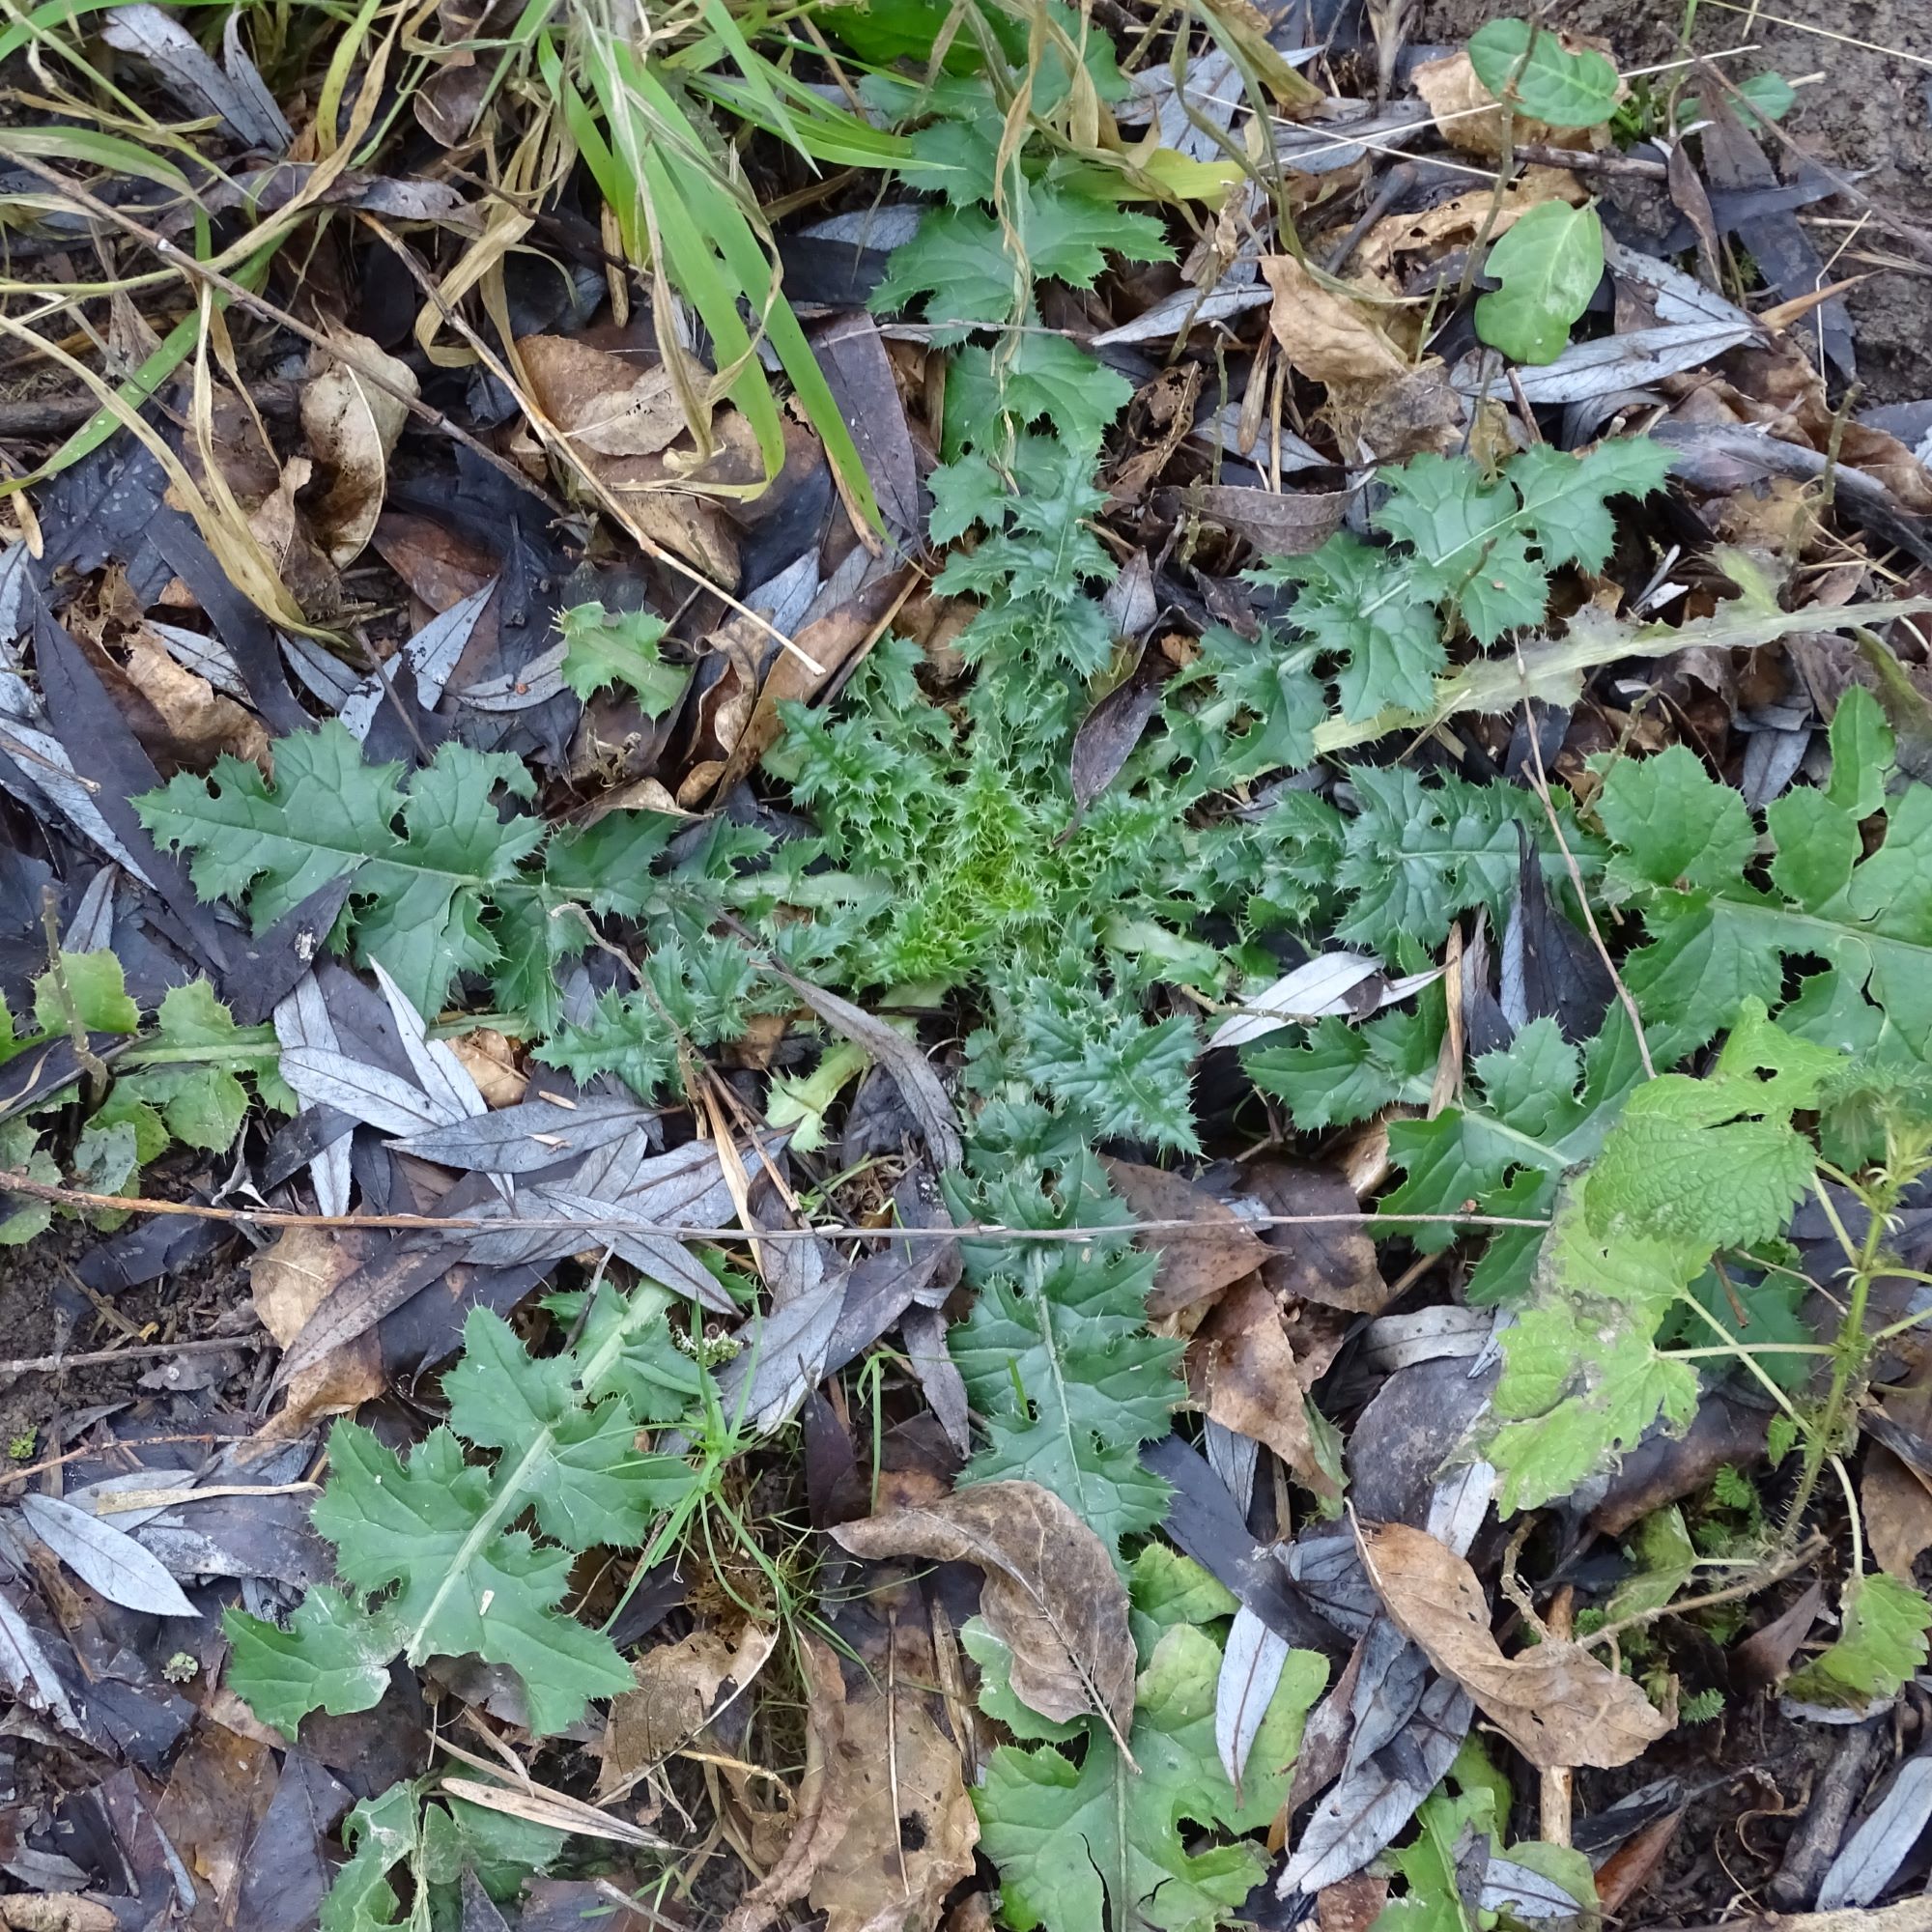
x: 1548, y: 263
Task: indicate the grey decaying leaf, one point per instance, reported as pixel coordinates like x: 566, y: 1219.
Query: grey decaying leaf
x: 194, y: 80
x: 1609, y: 362
x: 1109, y: 732
x: 1524, y: 1893
x: 302, y: 1020
x: 369, y: 1093
x: 1348, y: 985
x: 431, y: 654
x: 26, y: 1670
x: 524, y: 689
x: 529, y: 1136
x: 1373, y: 1800
x: 781, y: 1356
x: 1879, y: 1846
x: 922, y: 1330
x: 452, y: 1089
x: 1251, y: 1667
x: 106, y: 1558
x: 923, y: 1091
x: 1174, y: 315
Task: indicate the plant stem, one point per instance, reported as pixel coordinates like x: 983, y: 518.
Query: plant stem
x: 1850, y: 1359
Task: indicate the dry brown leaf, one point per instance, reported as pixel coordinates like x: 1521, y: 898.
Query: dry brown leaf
x: 1326, y: 336
x: 1897, y: 1510
x: 1241, y: 1370
x: 441, y: 566
x: 201, y: 723
x: 587, y: 394
x: 1052, y: 1594
x: 217, y: 1793
x: 1353, y: 1904
x: 677, y: 1689
x: 1332, y: 1263
x: 828, y: 1792
x: 491, y: 1060
x: 288, y: 1280
x: 911, y: 1830
x: 1455, y: 223
x: 1198, y: 1261
x: 830, y: 642
x: 1468, y: 117
x: 55, y: 1911
x: 1553, y: 1701
x: 352, y: 427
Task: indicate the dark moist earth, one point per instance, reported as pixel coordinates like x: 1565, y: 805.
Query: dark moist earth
x: 1869, y: 116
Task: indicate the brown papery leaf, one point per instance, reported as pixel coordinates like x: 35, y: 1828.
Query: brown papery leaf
x: 678, y: 1687
x: 1052, y: 1594
x: 200, y: 722
x: 288, y: 1280
x: 828, y: 1793
x: 910, y: 1835
x: 1555, y: 1701
x: 351, y: 426
x: 1197, y: 1262
x: 1329, y: 1262
x: 1241, y: 1370
x: 595, y: 399
x: 1326, y: 336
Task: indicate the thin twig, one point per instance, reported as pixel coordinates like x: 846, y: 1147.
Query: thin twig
x: 52, y: 1365
x: 12, y: 1182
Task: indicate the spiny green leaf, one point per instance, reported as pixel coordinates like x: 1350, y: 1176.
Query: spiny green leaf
x: 1548, y: 263
x: 1107, y: 1843
x: 429, y: 1539
x: 332, y: 1656
x: 1056, y: 1358
x: 605, y: 647
x: 97, y: 990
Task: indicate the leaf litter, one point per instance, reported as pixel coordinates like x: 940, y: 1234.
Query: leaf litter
x: 956, y: 993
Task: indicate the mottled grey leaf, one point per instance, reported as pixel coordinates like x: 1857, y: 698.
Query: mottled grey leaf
x: 106, y: 1558
x: 783, y: 1356
x: 445, y: 1078
x: 1884, y: 1837
x: 921, y: 1088
x: 1372, y: 1801
x: 193, y: 78
x: 1251, y: 1667
x: 371, y: 1093
x: 27, y: 1671
x: 531, y: 1135
x: 302, y: 1020
x: 536, y: 683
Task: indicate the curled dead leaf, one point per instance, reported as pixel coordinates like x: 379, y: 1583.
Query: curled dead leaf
x: 288, y: 1280
x: 491, y: 1060
x: 1555, y: 1701
x: 678, y: 1687
x: 1052, y: 1594
x: 828, y: 1792
x: 1241, y: 1370
x: 1326, y: 336
x: 910, y: 1835
x: 200, y: 721
x: 606, y: 415
x: 351, y: 428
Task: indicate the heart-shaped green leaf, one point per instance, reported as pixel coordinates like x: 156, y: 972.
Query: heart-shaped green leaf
x: 1564, y: 89
x: 1549, y: 265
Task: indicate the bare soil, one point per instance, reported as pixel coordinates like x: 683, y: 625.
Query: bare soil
x: 1869, y: 116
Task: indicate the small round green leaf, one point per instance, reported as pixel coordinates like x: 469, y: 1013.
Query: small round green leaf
x: 1549, y: 265
x: 1555, y: 85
